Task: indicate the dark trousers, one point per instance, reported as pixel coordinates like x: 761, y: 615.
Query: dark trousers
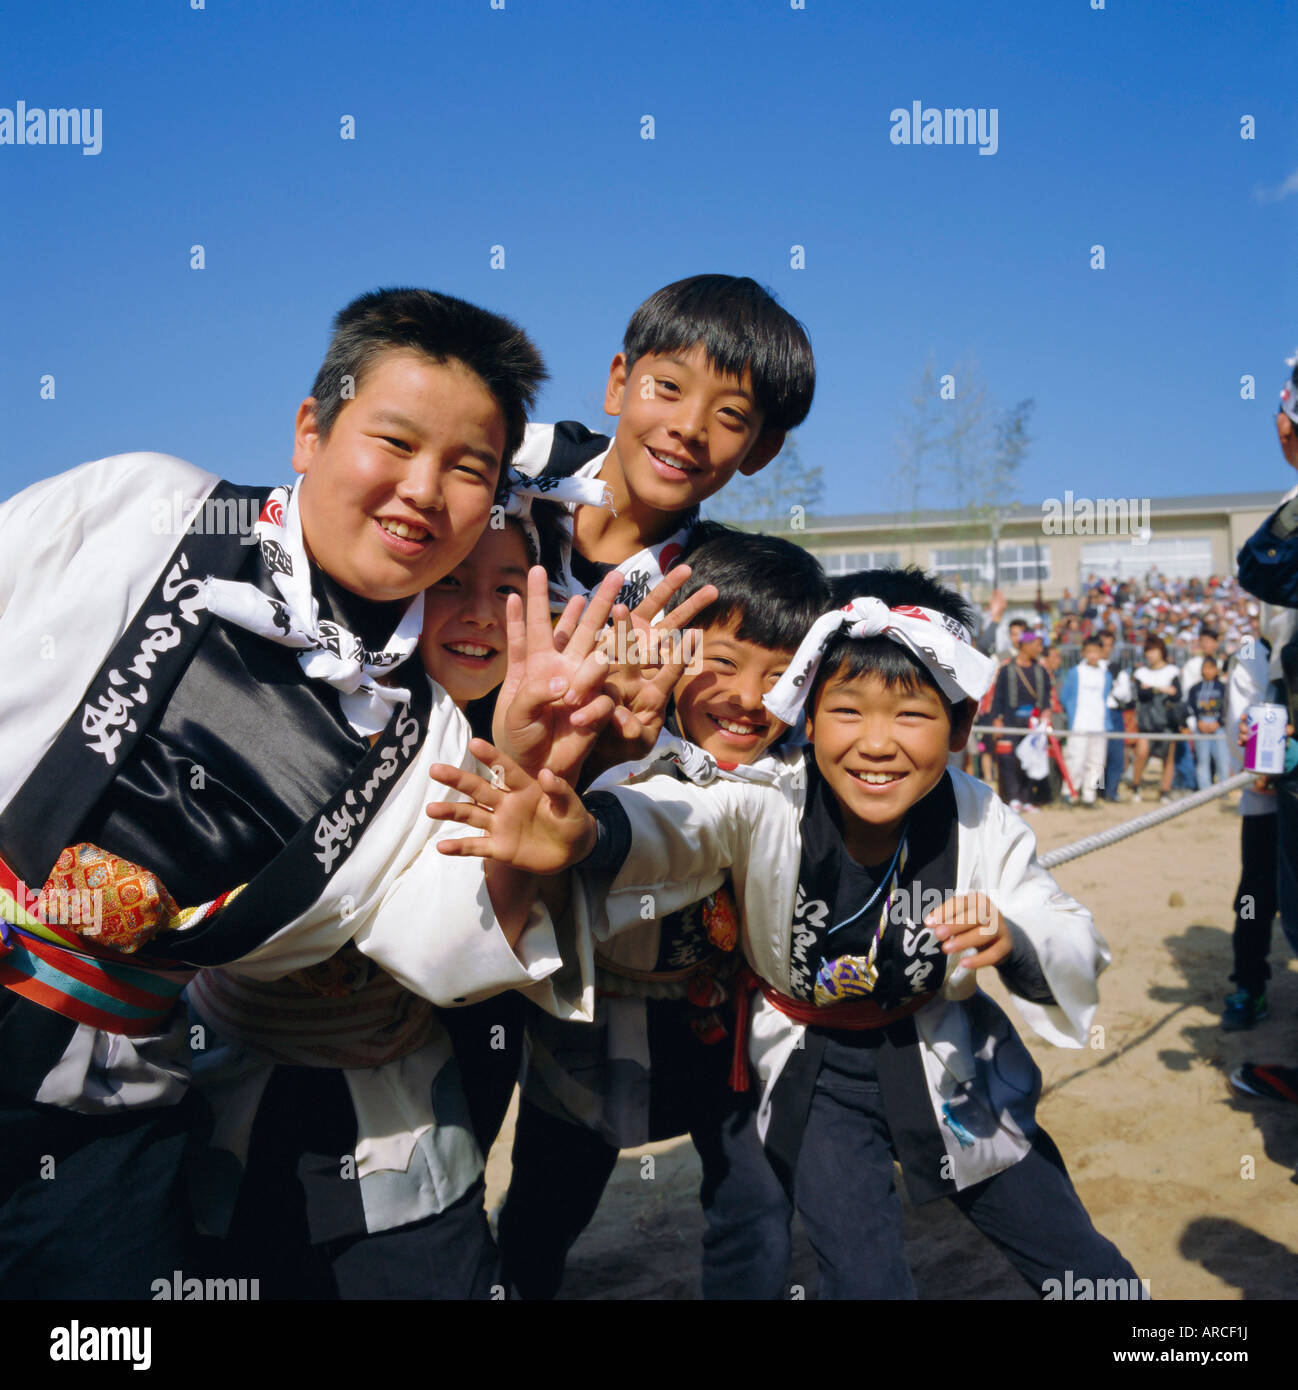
x: 1255, y: 902
x: 1286, y: 817
x: 561, y: 1170
x: 1114, y: 755
x: 487, y: 1040
x: 1014, y: 784
x: 92, y: 1206
x: 299, y: 1225
x: 851, y: 1211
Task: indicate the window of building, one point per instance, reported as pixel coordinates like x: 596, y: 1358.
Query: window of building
x: 1021, y: 563
x: 836, y: 562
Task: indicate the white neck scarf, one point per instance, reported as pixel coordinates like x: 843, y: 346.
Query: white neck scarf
x: 693, y: 762
x: 576, y: 491
x: 329, y: 652
x: 939, y: 643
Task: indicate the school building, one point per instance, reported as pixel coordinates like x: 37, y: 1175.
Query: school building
x: 1054, y: 544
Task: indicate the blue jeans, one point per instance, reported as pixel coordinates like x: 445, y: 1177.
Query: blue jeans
x: 1185, y: 774
x: 1210, y: 753
x: 1113, y: 757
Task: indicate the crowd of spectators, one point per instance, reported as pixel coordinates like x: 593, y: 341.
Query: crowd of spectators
x: 1137, y: 656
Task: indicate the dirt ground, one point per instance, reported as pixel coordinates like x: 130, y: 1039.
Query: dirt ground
x: 1194, y: 1183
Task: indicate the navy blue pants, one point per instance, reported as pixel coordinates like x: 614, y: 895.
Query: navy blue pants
x: 299, y: 1226
x: 561, y: 1170
x: 851, y: 1211
x: 92, y: 1206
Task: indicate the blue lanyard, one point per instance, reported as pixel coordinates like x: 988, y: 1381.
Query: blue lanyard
x: 885, y: 881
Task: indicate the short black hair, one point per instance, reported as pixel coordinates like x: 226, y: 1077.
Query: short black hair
x: 1207, y: 658
x: 741, y: 327
x: 1018, y: 622
x: 775, y: 588
x: 1091, y: 641
x: 848, y: 658
x: 1206, y: 631
x: 442, y: 328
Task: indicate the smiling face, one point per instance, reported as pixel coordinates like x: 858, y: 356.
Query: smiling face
x: 463, y: 640
x: 399, y: 492
x: 683, y: 429
x: 880, y: 750
x: 719, y: 707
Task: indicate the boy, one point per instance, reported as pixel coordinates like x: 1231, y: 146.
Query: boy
x: 298, y: 1070
x: 255, y: 744
x: 711, y: 376
x: 878, y: 1042
x: 1206, y: 700
x: 1084, y: 693
x: 656, y: 1064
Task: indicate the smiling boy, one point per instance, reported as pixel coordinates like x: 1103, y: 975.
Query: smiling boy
x: 656, y: 1063
x: 712, y: 375
x: 230, y: 744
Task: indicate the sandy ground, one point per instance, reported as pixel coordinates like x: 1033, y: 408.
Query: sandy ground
x: 1194, y: 1183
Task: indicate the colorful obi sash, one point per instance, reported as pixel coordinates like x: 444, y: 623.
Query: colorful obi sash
x: 854, y: 1014
x: 81, y: 964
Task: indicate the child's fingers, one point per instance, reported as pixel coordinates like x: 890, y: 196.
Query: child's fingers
x: 980, y: 959
x: 540, y: 633
x: 595, y: 616
x: 567, y: 624
x: 460, y: 779
x: 587, y: 680
x: 689, y: 609
x: 471, y: 846
x: 661, y: 594
x: 461, y: 812
x: 591, y: 717
x: 505, y: 772
x: 515, y: 633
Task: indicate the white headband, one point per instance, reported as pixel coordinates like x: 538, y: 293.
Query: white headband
x: 938, y: 642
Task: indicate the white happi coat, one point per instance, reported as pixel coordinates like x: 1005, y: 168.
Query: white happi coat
x: 79, y: 554
x: 684, y: 838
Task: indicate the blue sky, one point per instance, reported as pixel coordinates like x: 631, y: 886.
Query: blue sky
x: 522, y: 127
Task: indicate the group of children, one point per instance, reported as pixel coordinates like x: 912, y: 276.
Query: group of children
x: 734, y: 892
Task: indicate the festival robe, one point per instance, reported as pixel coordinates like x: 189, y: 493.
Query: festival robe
x: 982, y: 1084
x: 79, y: 556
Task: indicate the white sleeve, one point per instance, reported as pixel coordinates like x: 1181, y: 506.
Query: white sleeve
x: 683, y: 840
x: 435, y: 930
x: 1071, y: 952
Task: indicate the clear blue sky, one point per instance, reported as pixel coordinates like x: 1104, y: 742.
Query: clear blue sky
x: 521, y: 127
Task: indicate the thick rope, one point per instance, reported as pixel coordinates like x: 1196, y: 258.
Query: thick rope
x: 1138, y: 823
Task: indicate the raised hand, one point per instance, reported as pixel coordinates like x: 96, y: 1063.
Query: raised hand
x: 647, y: 659
x: 534, y: 824
x: 551, y: 706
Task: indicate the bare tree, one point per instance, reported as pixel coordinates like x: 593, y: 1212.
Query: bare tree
x: 780, y: 496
